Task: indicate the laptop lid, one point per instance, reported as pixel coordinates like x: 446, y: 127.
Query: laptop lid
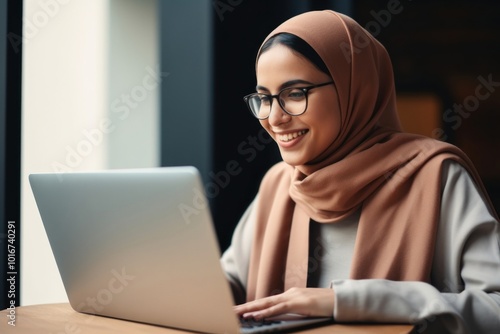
x: 140, y: 245
x: 137, y: 245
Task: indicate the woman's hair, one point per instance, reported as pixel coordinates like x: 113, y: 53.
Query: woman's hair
x: 298, y: 45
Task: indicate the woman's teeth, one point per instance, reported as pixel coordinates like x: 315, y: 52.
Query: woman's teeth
x: 289, y: 136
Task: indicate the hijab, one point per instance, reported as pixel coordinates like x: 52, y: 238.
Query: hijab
x: 393, y: 178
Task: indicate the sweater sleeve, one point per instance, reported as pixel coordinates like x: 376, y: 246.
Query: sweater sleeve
x: 236, y: 258
x: 464, y: 295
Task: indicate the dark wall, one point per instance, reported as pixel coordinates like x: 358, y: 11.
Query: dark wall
x: 186, y: 92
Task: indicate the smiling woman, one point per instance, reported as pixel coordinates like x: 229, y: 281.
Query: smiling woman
x: 300, y: 139
x: 383, y: 204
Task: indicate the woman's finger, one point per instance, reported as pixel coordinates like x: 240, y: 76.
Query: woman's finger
x: 256, y: 305
x: 304, y: 301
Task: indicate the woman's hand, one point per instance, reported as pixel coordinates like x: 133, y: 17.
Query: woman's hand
x: 313, y: 302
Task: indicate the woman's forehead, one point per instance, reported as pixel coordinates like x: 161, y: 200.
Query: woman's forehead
x: 280, y: 63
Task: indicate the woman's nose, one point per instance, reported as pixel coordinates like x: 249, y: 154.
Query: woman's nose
x: 278, y: 115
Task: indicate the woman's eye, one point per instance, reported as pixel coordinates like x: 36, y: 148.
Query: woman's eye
x: 295, y: 95
x: 265, y: 100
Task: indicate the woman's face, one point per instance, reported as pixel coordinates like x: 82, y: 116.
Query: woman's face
x: 301, y: 139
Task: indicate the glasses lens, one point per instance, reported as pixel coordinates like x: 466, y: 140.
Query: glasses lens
x: 260, y: 105
x: 293, y: 100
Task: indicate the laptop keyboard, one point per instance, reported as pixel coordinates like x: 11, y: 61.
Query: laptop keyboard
x: 253, y: 323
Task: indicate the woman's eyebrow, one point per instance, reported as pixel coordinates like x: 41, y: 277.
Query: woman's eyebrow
x: 286, y: 84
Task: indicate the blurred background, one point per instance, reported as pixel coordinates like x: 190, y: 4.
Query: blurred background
x: 105, y: 84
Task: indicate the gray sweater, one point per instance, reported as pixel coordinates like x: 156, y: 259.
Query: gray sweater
x: 463, y: 296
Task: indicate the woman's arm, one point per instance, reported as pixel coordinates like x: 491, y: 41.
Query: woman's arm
x: 464, y: 296
x: 236, y: 258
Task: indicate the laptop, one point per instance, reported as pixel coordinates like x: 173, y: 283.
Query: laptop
x: 140, y: 245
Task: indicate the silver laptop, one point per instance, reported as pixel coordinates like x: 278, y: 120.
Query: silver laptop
x: 140, y: 245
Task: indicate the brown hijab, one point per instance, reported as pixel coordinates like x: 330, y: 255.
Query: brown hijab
x: 393, y: 178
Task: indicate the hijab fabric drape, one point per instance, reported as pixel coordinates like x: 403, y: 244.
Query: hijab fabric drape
x: 394, y: 178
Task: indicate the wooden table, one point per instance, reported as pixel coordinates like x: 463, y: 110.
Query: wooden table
x: 62, y: 319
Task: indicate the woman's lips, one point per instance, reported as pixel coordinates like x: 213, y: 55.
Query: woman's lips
x: 290, y: 138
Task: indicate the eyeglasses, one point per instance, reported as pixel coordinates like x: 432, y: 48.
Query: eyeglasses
x: 293, y: 101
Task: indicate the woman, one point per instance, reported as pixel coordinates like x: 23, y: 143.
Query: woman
x: 360, y: 221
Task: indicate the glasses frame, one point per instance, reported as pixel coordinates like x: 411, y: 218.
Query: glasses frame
x: 271, y: 97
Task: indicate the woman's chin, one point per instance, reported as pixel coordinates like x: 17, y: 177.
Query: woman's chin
x: 292, y: 159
